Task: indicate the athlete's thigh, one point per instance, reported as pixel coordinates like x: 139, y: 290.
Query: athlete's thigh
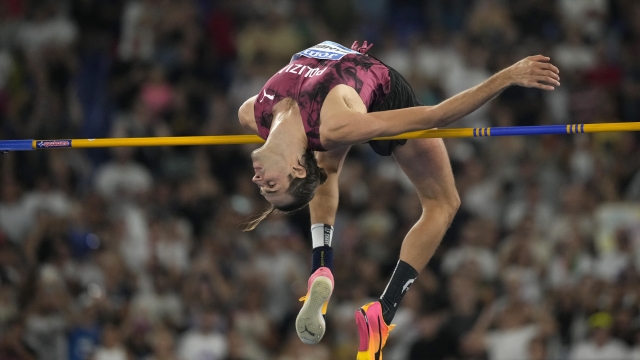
x: 426, y: 163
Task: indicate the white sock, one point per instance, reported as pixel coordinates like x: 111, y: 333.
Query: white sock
x: 321, y: 235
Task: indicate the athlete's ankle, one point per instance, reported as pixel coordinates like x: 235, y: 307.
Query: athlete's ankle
x: 322, y: 257
x: 403, y: 276
x: 388, y: 311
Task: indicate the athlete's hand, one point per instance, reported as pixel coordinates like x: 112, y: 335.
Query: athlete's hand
x: 533, y: 72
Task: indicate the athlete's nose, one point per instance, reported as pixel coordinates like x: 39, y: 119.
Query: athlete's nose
x: 257, y: 179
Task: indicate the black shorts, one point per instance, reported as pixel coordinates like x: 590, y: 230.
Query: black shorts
x: 400, y: 96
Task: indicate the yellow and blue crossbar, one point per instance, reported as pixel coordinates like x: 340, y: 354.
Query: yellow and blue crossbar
x: 25, y: 145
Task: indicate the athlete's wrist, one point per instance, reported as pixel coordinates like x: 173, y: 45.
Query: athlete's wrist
x: 503, y: 79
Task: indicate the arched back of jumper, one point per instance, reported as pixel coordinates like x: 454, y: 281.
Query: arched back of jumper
x: 309, y: 78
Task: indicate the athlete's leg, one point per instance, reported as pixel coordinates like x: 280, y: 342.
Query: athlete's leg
x: 310, y: 324
x: 426, y: 163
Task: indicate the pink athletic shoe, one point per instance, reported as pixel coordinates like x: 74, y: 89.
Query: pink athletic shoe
x: 372, y: 330
x: 310, y: 324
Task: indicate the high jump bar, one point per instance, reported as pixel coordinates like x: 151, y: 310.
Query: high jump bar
x: 26, y: 145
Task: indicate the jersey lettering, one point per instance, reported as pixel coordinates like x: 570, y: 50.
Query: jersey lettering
x: 300, y: 70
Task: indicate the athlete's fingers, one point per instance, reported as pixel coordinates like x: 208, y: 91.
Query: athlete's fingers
x: 535, y: 83
x: 545, y: 83
x: 539, y: 58
x: 548, y: 73
x: 547, y: 80
x: 534, y: 71
x: 548, y: 66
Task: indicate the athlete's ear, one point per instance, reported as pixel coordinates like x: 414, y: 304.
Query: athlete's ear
x: 299, y: 171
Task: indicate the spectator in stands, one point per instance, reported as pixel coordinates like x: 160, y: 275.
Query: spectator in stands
x: 505, y: 328
x: 112, y: 347
x: 206, y: 339
x: 600, y: 345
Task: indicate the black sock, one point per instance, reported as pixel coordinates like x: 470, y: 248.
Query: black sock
x: 322, y: 256
x: 403, y: 276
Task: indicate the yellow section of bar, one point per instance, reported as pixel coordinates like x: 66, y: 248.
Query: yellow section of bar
x: 612, y: 127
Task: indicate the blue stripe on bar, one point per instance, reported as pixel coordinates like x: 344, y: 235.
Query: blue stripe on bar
x: 529, y: 130
x: 582, y: 128
x: 474, y: 132
x: 16, y: 145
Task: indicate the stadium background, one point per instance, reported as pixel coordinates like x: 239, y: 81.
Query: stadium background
x: 138, y: 253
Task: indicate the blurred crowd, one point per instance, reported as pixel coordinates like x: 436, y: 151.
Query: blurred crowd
x: 139, y: 254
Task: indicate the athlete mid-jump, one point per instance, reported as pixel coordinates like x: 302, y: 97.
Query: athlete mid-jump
x: 330, y: 97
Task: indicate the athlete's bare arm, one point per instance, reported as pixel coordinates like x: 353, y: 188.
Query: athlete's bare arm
x: 246, y: 115
x: 324, y: 205
x: 344, y: 119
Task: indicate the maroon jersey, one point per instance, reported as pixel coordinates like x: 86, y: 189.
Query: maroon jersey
x: 310, y: 76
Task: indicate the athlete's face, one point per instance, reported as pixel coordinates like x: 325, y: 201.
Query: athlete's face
x: 273, y: 177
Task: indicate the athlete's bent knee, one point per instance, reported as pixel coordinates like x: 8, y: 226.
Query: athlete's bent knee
x: 452, y: 204
x: 447, y: 204
x: 454, y: 201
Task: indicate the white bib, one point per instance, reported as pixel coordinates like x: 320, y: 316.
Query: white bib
x: 326, y: 50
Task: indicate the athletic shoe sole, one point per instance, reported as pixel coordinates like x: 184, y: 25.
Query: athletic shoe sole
x: 310, y: 324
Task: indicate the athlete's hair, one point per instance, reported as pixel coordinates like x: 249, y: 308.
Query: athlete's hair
x: 302, y: 189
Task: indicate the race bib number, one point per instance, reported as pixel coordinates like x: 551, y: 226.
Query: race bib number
x: 327, y: 50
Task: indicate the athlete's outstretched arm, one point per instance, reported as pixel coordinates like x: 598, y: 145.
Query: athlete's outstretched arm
x: 324, y: 205
x: 347, y: 122
x: 246, y: 115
